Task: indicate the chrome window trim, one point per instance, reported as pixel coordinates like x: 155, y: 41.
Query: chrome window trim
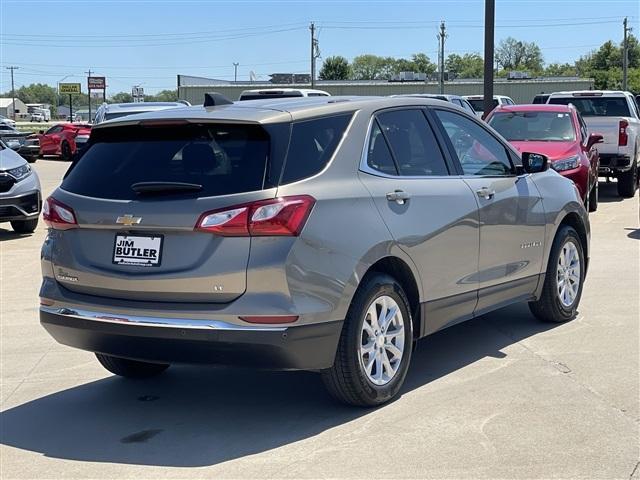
x: 158, y: 322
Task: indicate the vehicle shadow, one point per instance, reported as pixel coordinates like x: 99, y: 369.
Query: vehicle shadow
x: 634, y: 233
x: 608, y: 192
x: 191, y: 417
x: 6, y: 235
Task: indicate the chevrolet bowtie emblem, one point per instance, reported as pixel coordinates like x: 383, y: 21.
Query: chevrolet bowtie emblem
x: 128, y: 220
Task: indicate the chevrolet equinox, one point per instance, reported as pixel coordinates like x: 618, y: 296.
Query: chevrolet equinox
x: 325, y: 234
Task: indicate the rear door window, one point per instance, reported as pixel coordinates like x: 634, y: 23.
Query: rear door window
x: 413, y: 143
x: 223, y: 159
x: 312, y: 145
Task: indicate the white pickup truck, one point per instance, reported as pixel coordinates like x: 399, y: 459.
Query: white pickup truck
x: 616, y: 116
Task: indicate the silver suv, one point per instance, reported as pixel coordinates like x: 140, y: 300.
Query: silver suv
x: 323, y: 234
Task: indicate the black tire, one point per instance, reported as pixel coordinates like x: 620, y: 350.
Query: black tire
x: 628, y: 182
x: 130, y: 368
x: 24, y: 226
x: 65, y: 151
x: 593, y: 198
x: 548, y: 307
x: 346, y: 380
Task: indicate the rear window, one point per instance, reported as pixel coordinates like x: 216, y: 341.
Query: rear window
x: 313, y: 143
x: 534, y: 126
x: 596, y: 106
x: 223, y: 159
x: 478, y: 105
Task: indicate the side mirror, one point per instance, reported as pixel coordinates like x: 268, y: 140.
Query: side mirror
x: 593, y: 139
x: 534, y: 162
x: 41, y: 132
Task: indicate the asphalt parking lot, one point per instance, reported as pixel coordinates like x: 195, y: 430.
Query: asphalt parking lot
x: 502, y: 396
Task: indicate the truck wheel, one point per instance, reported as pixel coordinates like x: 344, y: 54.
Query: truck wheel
x: 628, y: 182
x: 24, y: 226
x: 593, y: 198
x: 374, y: 350
x: 563, y: 282
x: 130, y: 368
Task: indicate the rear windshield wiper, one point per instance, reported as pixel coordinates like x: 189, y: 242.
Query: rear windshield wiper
x: 165, y: 187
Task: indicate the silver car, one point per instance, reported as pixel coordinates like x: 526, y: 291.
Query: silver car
x: 20, y: 198
x: 323, y: 234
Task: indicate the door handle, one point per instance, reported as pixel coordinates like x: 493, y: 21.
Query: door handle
x: 398, y: 196
x: 486, y: 193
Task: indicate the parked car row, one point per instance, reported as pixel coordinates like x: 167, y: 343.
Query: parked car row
x: 324, y: 234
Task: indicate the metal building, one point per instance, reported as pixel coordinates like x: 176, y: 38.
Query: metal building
x: 521, y: 91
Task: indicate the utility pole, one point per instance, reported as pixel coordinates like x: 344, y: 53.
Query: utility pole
x: 13, y: 93
x: 235, y: 72
x: 315, y: 53
x: 489, y: 25
x: 625, y: 54
x: 89, y: 93
x: 441, y: 38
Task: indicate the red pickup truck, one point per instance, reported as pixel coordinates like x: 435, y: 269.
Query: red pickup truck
x: 64, y: 139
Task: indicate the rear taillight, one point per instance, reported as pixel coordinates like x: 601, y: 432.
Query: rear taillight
x: 284, y: 216
x: 57, y: 215
x: 623, y: 137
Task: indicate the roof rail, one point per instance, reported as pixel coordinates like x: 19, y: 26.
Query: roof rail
x: 213, y: 99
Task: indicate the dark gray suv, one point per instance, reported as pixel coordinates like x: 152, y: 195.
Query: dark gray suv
x: 323, y: 234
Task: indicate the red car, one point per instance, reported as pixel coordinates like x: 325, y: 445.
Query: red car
x: 63, y: 140
x: 558, y: 132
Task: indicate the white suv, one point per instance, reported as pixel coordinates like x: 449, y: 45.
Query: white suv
x: 477, y: 102
x: 261, y: 94
x: 616, y: 116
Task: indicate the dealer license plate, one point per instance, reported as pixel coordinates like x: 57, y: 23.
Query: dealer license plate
x: 138, y: 250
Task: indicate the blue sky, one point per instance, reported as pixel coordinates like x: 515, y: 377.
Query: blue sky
x: 149, y: 42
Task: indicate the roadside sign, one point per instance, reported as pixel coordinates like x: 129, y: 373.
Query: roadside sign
x: 138, y: 94
x: 96, y: 83
x: 69, y: 88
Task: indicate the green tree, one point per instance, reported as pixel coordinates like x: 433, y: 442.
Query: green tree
x: 335, y: 68
x: 469, y: 65
x: 560, y: 70
x: 513, y: 54
x: 121, y: 97
x: 163, y: 96
x: 604, y: 65
x: 372, y: 67
x: 422, y: 63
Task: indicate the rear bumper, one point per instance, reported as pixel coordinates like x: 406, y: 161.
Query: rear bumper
x: 173, y: 340
x: 612, y: 163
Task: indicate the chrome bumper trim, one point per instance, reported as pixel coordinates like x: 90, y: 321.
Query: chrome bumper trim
x: 136, y: 320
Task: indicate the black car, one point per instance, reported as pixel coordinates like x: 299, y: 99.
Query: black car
x: 26, y: 144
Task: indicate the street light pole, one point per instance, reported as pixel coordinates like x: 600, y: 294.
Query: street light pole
x: 235, y: 72
x: 13, y: 94
x: 489, y: 24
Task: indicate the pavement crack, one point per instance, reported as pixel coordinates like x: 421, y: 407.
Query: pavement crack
x: 634, y: 471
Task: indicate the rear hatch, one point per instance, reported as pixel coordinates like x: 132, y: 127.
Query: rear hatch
x: 137, y: 240
x: 602, y: 114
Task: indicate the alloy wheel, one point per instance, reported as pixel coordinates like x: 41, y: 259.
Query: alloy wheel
x: 382, y: 340
x: 568, y: 274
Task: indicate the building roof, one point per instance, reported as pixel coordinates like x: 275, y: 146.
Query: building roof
x: 5, y: 102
